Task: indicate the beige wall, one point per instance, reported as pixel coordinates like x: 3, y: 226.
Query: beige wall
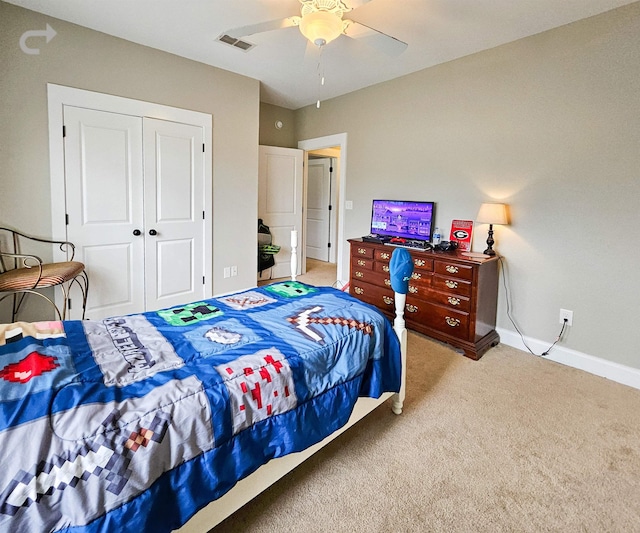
x: 86, y: 59
x: 284, y: 137
x: 549, y: 124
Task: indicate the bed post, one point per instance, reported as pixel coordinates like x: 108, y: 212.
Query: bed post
x: 401, y: 332
x: 294, y: 254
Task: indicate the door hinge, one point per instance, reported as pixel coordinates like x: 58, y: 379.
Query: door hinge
x: 203, y: 280
x: 66, y: 219
x: 64, y: 131
x: 330, y: 208
x: 203, y: 215
x: 329, y: 245
x: 330, y: 169
x: 69, y: 303
x: 202, y: 147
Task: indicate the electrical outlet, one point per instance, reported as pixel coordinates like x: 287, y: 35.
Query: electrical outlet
x: 227, y: 272
x: 568, y: 315
x: 234, y: 270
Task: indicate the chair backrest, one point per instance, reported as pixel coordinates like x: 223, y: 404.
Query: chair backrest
x: 19, y: 249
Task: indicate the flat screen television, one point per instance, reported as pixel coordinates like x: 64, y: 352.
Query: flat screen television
x: 404, y: 219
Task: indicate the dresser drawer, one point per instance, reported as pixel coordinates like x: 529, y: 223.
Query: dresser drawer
x: 370, y: 276
x: 421, y: 263
x: 421, y: 278
x: 381, y: 298
x: 363, y: 251
x: 383, y: 255
x: 362, y: 262
x: 451, y: 285
x: 456, y: 270
x: 443, y: 319
x: 455, y: 301
x: 382, y: 267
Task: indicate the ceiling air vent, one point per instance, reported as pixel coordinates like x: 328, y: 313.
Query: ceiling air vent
x: 237, y: 43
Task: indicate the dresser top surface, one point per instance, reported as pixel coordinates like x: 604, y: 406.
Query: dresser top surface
x: 433, y: 254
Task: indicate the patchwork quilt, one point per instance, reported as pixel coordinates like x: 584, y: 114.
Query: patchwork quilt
x: 133, y: 423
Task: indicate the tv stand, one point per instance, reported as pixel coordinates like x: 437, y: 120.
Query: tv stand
x: 452, y: 297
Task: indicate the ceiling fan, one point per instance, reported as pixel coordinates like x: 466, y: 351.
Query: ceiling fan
x: 321, y: 22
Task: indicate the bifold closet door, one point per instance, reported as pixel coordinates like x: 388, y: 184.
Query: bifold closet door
x: 174, y: 212
x: 105, y: 206
x: 134, y: 195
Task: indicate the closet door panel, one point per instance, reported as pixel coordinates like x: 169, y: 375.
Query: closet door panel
x: 104, y: 204
x: 174, y: 207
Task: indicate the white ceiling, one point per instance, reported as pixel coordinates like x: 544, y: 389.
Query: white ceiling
x: 436, y: 31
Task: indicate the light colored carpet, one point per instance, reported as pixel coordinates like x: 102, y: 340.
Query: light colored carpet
x: 511, y: 442
x: 318, y: 273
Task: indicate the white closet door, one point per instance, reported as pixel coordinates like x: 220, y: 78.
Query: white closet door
x: 104, y: 197
x: 174, y: 210
x: 280, y: 201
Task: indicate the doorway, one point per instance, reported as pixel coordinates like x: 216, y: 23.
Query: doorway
x: 333, y: 147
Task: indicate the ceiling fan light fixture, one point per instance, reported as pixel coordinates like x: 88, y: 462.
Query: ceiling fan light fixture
x: 321, y: 27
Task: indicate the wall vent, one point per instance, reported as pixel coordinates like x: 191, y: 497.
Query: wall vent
x: 237, y: 43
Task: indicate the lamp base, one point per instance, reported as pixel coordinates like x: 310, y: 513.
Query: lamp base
x: 490, y: 242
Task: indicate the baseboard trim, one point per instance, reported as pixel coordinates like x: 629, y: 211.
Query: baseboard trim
x: 594, y: 365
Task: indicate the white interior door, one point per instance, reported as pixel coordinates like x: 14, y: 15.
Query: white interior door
x: 318, y: 208
x: 104, y: 200
x: 174, y: 213
x: 280, y: 185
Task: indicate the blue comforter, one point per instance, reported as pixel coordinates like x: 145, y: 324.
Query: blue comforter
x: 136, y: 422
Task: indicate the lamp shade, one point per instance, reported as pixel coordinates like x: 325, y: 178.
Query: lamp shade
x: 492, y: 214
x: 321, y: 27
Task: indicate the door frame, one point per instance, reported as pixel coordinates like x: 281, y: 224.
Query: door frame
x: 327, y: 209
x: 330, y: 141
x: 60, y: 95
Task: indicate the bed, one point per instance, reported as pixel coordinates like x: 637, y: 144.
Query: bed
x: 174, y: 419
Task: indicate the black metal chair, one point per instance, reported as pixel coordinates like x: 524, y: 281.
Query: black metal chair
x: 23, y: 273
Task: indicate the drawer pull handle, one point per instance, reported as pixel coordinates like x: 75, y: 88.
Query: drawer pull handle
x: 385, y: 255
x: 387, y: 282
x: 416, y: 275
x: 362, y: 251
x: 452, y: 269
x: 419, y: 262
x: 453, y: 301
x: 385, y: 268
x: 453, y: 322
x: 388, y: 300
x: 359, y: 274
x: 358, y: 290
x: 361, y: 262
x: 451, y: 284
x: 413, y: 290
x: 411, y: 308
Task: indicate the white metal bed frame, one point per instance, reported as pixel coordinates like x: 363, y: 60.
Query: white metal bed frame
x: 248, y: 488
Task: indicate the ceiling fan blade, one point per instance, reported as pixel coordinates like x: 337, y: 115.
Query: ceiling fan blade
x: 383, y: 42
x: 244, y: 31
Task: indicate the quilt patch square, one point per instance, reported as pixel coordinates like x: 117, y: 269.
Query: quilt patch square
x: 190, y: 314
x: 129, y: 349
x: 260, y: 385
x: 226, y: 335
x: 246, y: 300
x: 35, y: 368
x: 291, y: 289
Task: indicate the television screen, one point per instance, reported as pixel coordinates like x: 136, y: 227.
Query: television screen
x: 404, y: 219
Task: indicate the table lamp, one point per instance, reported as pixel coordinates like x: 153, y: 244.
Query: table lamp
x: 492, y: 214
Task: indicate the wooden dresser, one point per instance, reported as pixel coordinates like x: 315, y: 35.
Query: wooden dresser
x: 451, y: 297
